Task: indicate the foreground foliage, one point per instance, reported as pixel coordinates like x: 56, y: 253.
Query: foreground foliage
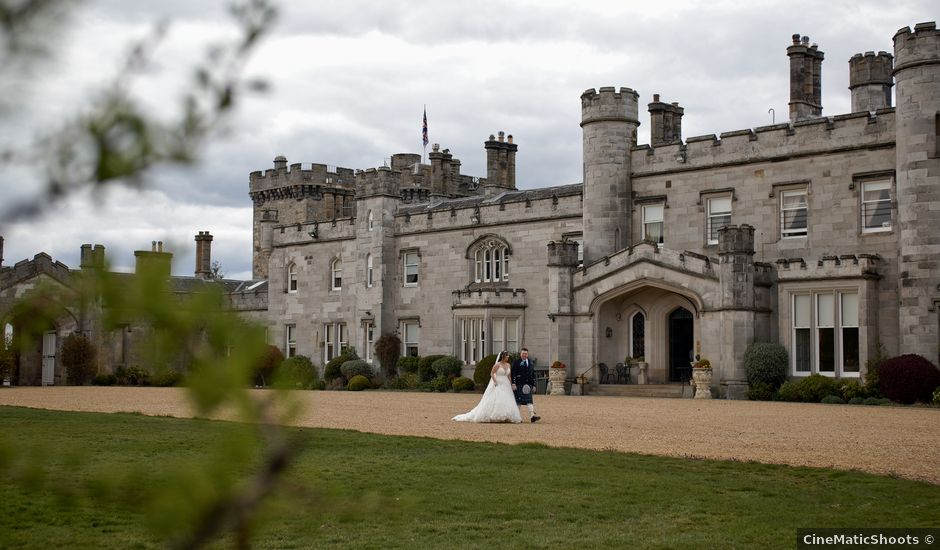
x: 419, y: 492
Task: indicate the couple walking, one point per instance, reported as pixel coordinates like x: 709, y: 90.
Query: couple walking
x: 509, y: 388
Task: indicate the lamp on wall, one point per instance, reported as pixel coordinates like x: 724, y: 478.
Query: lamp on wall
x: 610, y: 332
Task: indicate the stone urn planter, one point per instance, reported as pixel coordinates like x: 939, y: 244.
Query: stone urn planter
x: 702, y: 377
x: 556, y: 378
x: 641, y: 376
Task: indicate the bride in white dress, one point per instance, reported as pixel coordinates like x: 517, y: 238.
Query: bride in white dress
x: 498, y: 403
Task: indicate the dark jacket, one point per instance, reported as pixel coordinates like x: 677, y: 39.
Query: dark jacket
x: 523, y: 375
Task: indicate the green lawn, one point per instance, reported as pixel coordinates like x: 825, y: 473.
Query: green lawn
x: 353, y: 490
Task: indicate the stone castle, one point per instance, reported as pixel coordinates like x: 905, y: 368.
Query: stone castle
x: 819, y: 233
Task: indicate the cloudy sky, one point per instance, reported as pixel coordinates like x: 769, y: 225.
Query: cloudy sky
x: 349, y: 79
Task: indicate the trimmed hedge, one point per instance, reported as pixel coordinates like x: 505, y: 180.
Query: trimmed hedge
x: 356, y: 367
x: 332, y: 369
x: 481, y: 374
x: 447, y: 366
x: 441, y: 384
x: 407, y: 365
x: 166, y: 378
x: 833, y: 400
x: 811, y: 389
x: 766, y: 363
x: 462, y: 384
x: 359, y: 383
x: 297, y: 372
x: 425, y: 371
x: 908, y: 379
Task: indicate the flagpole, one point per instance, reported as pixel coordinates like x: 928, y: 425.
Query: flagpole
x: 424, y: 133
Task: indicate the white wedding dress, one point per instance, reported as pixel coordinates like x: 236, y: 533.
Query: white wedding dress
x: 498, y: 403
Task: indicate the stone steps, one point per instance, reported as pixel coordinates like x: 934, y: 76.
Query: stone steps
x: 635, y: 390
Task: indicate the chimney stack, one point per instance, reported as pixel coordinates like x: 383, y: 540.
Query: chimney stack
x: 203, y: 255
x: 155, y: 259
x: 500, y: 162
x: 805, y: 79
x: 665, y: 122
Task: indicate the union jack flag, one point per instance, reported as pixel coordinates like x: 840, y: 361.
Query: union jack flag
x: 424, y: 128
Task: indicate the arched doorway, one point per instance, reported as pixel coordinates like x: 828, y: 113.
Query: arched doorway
x: 681, y: 344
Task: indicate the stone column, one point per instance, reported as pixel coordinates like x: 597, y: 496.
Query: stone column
x: 562, y: 261
x: 736, y: 316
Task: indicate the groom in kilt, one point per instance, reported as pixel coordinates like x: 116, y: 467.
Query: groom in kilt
x: 523, y: 383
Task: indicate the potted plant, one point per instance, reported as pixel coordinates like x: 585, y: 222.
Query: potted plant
x: 556, y: 377
x: 702, y: 376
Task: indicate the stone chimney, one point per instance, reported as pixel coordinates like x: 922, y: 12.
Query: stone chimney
x: 154, y: 260
x: 91, y: 257
x: 501, y: 162
x: 805, y: 79
x: 203, y: 255
x: 665, y: 122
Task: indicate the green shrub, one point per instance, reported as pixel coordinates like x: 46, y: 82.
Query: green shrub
x: 766, y: 363
x: 318, y: 385
x: 356, y: 367
x: 833, y: 400
x: 872, y: 401
x: 908, y: 378
x: 441, y: 383
x: 387, y: 349
x: 761, y: 391
x: 136, y: 376
x: 338, y: 383
x: 857, y: 401
x: 447, y: 366
x: 789, y: 391
x: 481, y: 374
x: 166, y: 378
x: 407, y: 364
x: 297, y: 372
x: 359, y: 383
x: 78, y: 358
x: 816, y: 386
x: 425, y: 370
x: 104, y: 379
x: 406, y: 381
x: 266, y: 365
x: 332, y: 369
x: 935, y: 401
x: 850, y: 388
x: 872, y: 384
x: 462, y: 384
x: 885, y: 401
x: 7, y: 362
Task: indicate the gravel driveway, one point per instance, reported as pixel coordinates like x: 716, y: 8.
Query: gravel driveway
x: 902, y: 441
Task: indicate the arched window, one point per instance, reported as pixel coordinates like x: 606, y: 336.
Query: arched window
x: 638, y: 335
x: 371, y: 223
x: 292, y: 278
x: 369, y: 280
x: 490, y: 260
x: 336, y: 274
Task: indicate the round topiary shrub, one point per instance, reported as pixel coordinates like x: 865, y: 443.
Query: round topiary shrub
x: 166, y: 378
x: 356, y: 367
x: 481, y: 374
x: 359, y: 383
x: 833, y: 400
x: 857, y: 401
x: 908, y: 379
x: 297, y: 372
x: 761, y: 391
x: 441, y: 383
x: 766, y: 363
x: 318, y: 385
x: 104, y: 379
x: 447, y: 366
x: 425, y: 370
x: 332, y: 370
x: 78, y: 358
x: 884, y: 401
x: 407, y: 364
x: 872, y: 401
x: 462, y: 384
x: 789, y: 391
x: 816, y: 386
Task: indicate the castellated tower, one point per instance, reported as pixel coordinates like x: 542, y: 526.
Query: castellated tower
x: 917, y: 77
x: 609, y: 122
x: 377, y: 200
x: 805, y: 79
x: 870, y: 81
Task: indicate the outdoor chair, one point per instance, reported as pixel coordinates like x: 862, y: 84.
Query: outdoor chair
x: 606, y: 375
x: 623, y: 373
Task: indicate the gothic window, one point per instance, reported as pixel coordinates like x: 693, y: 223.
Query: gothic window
x: 336, y: 274
x: 369, y: 280
x: 876, y: 206
x: 793, y: 213
x: 719, y: 215
x: 292, y: 278
x: 638, y: 335
x: 653, y: 223
x: 490, y: 260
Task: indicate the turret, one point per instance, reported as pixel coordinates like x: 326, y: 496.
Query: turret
x: 609, y: 121
x: 917, y: 77
x: 805, y: 79
x: 870, y: 81
x: 665, y: 122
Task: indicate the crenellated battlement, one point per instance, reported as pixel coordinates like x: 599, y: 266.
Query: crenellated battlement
x: 609, y: 104
x: 871, y: 68
x: 300, y: 174
x: 378, y: 181
x: 916, y: 48
x: 41, y: 263
x: 812, y: 136
x: 846, y: 266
